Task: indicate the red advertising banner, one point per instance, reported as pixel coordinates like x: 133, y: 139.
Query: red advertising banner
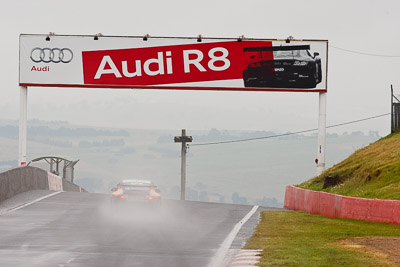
x: 173, y: 63
x: 169, y: 64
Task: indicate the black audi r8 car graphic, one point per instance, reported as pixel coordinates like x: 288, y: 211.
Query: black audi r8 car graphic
x: 282, y: 67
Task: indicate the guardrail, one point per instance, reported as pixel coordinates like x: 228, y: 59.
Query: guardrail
x: 18, y: 180
x: 337, y: 206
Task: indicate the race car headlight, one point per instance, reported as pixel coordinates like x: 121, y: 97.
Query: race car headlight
x: 300, y: 63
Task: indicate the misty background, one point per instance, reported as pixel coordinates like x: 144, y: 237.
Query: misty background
x: 252, y: 172
x: 363, y: 62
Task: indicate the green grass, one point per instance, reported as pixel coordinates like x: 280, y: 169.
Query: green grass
x: 371, y: 172
x: 300, y: 239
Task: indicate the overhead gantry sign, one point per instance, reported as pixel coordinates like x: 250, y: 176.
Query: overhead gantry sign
x: 173, y: 63
x: 179, y: 63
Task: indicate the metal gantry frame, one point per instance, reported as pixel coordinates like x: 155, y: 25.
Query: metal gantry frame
x: 54, y: 163
x: 22, y: 150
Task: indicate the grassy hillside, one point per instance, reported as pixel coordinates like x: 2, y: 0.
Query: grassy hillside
x: 371, y: 172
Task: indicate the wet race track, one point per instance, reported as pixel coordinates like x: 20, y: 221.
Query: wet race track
x: 80, y: 229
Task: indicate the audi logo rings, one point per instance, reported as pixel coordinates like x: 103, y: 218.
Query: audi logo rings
x: 55, y: 55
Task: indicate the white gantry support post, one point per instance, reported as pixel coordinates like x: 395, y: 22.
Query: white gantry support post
x: 321, y: 133
x: 23, y: 101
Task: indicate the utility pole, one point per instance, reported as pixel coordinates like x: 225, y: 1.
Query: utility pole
x: 183, y: 139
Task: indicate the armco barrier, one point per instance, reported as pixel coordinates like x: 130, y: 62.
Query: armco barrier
x: 337, y: 206
x: 68, y: 186
x: 396, y: 213
x: 18, y: 180
x: 289, y: 197
x: 312, y: 201
x: 355, y: 208
x: 328, y: 205
x: 299, y: 196
x: 382, y: 210
x: 55, y: 182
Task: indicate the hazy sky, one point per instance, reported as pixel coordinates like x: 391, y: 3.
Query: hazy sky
x: 358, y: 85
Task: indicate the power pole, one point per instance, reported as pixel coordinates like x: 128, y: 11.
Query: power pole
x: 183, y: 139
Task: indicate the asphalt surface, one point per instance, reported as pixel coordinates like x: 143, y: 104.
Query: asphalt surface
x: 80, y: 229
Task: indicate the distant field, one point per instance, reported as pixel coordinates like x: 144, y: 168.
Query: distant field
x: 254, y: 170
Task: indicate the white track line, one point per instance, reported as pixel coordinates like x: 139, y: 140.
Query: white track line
x: 32, y: 202
x: 219, y: 257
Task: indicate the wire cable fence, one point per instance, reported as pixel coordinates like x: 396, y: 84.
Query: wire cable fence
x: 286, y: 134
